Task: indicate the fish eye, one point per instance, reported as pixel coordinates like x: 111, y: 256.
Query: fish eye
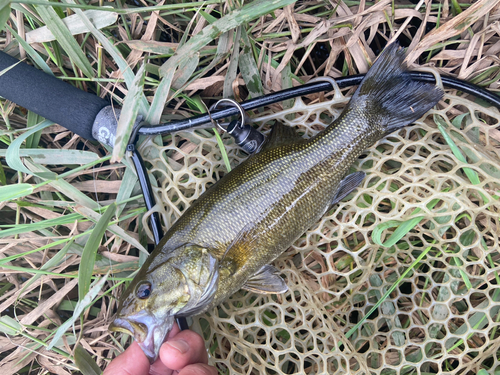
x: 143, y: 290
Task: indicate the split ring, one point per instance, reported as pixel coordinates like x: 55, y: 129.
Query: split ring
x: 228, y: 102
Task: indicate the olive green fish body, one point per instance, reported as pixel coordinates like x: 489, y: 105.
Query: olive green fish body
x: 256, y: 212
x: 253, y: 214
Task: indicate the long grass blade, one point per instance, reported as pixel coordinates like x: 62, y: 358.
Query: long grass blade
x: 129, y: 181
x: 389, y: 291
x: 75, y: 25
x: 64, y: 187
x: 95, y: 217
x: 471, y: 174
x: 402, y: 229
x: 26, y: 228
x: 80, y: 307
x: 248, y: 67
x: 183, y: 75
x: 232, y: 69
x: 230, y: 21
x: 65, y: 39
x: 51, y: 263
x: 13, y: 154
x: 128, y: 74
x: 9, y: 325
x: 56, y: 157
x: 34, y: 139
x: 89, y: 252
x: 128, y: 115
x: 10, y: 192
x: 4, y: 13
x: 39, y: 62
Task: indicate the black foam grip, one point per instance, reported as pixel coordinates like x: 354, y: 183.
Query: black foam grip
x: 49, y: 97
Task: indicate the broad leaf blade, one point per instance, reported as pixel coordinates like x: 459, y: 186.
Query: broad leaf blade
x: 85, y: 362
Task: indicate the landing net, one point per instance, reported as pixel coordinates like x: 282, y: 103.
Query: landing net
x: 441, y: 318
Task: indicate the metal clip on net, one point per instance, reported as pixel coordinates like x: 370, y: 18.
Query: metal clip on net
x: 245, y: 135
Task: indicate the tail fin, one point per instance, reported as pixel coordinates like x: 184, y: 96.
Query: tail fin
x: 389, y: 92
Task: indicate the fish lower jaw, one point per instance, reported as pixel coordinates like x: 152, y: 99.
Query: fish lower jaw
x: 148, y: 347
x: 145, y: 340
x: 155, y: 337
x: 148, y: 331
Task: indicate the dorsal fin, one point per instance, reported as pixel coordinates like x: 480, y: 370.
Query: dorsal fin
x: 281, y: 135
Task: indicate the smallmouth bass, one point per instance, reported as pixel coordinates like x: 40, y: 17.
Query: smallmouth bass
x: 227, y: 238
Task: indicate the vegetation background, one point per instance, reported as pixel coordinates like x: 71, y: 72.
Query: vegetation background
x: 73, y: 222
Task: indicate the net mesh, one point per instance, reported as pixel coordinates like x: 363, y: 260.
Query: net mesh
x: 441, y: 318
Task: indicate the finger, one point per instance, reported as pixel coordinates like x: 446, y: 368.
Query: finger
x: 185, y: 348
x: 198, y: 369
x: 131, y: 361
x: 175, y: 330
x: 158, y: 367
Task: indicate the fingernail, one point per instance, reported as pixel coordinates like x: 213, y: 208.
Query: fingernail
x: 179, y: 344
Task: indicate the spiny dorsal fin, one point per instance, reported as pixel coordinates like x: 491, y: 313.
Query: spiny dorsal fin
x: 281, y: 135
x: 266, y: 281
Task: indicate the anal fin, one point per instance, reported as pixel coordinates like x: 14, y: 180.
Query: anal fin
x: 347, y: 185
x: 266, y: 281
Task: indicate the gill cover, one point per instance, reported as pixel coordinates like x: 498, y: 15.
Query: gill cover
x: 201, y: 272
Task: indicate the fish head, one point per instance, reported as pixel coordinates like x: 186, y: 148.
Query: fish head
x: 183, y: 283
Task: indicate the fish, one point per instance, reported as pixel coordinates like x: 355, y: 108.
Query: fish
x: 229, y: 236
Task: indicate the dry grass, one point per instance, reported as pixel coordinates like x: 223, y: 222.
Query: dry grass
x: 40, y: 262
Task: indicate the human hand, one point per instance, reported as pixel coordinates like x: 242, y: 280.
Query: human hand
x: 183, y: 353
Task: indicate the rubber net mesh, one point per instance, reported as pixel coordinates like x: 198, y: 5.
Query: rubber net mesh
x: 441, y: 318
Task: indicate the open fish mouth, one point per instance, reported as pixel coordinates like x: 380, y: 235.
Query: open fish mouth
x: 121, y: 325
x: 148, y: 332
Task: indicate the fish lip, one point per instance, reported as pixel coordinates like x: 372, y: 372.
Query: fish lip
x: 148, y: 331
x: 121, y: 325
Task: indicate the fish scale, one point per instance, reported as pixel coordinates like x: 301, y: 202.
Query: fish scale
x: 226, y: 239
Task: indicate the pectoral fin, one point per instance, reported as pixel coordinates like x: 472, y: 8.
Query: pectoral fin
x: 266, y: 281
x: 347, y: 185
